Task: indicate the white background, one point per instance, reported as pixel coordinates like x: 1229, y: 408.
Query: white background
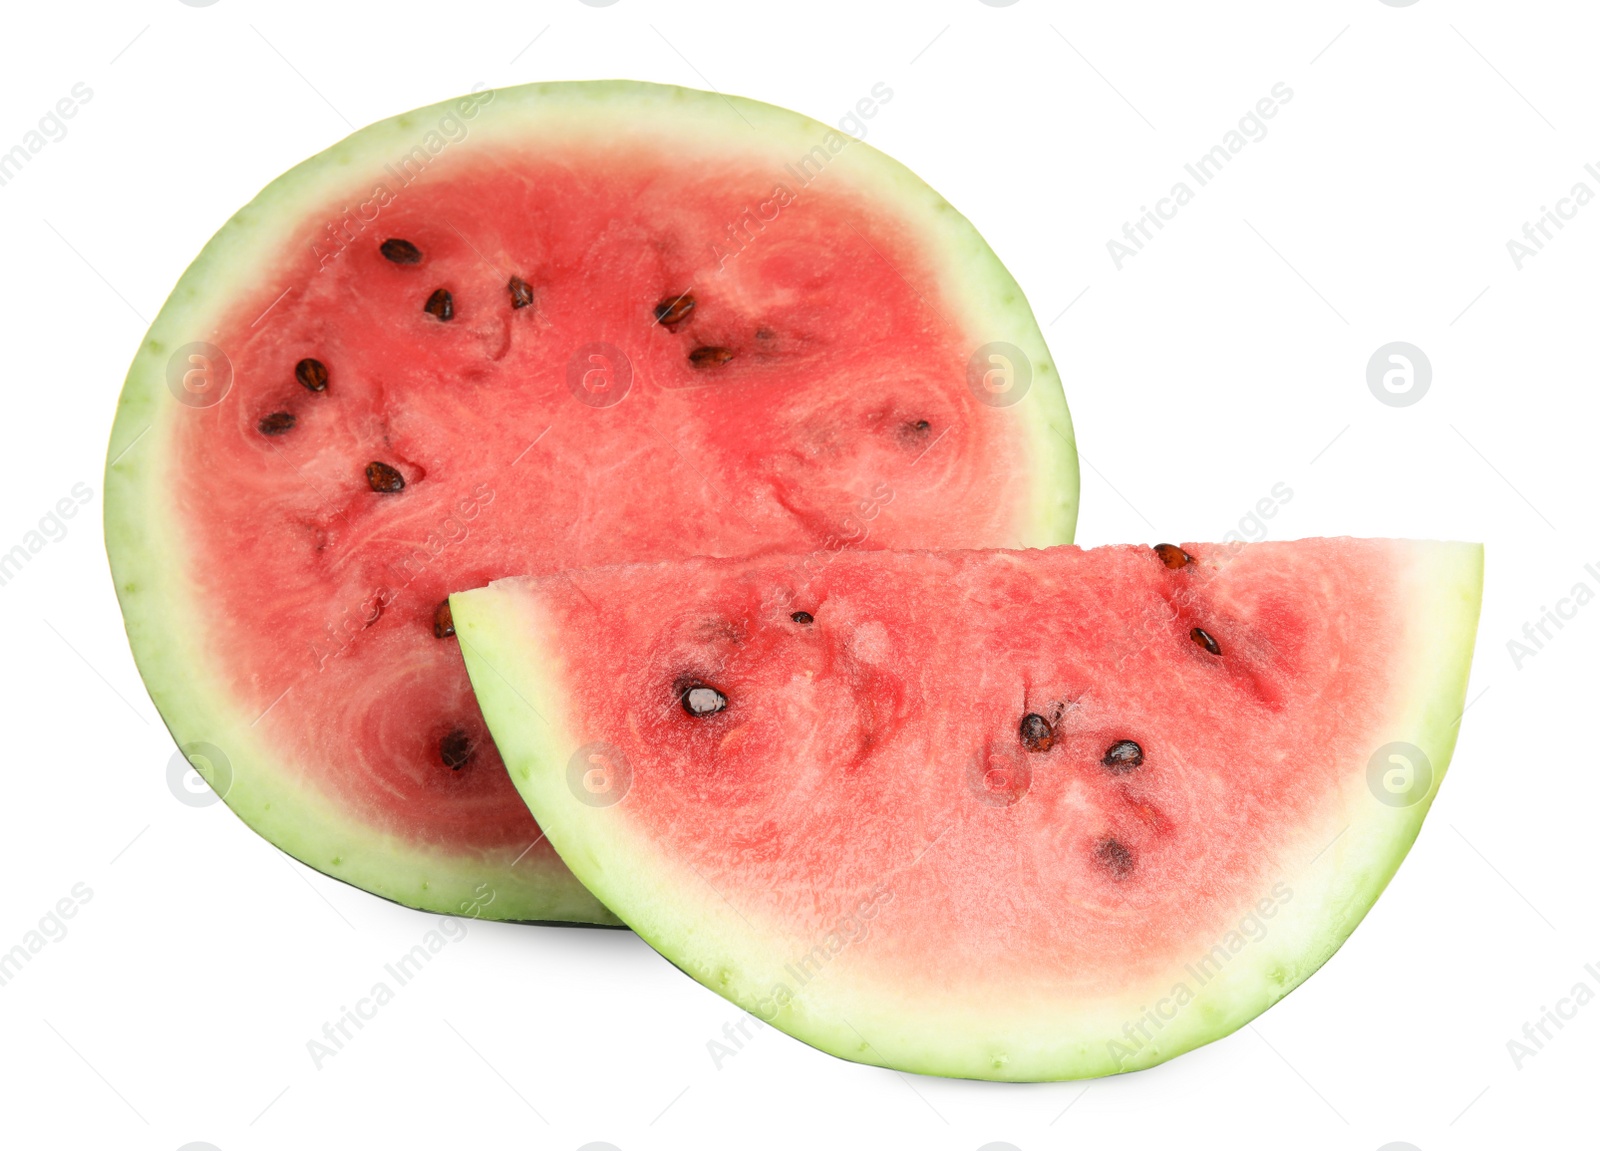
x: 1228, y: 356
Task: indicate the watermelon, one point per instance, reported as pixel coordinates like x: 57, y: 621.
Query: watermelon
x: 1019, y: 815
x: 534, y: 328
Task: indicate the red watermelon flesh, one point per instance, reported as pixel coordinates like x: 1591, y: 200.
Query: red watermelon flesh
x: 588, y: 331
x: 1013, y: 815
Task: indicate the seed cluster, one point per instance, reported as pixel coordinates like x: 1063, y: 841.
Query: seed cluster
x: 672, y: 313
x: 1038, y: 735
x: 384, y: 478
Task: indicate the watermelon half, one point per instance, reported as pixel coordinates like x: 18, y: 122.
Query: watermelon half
x: 1002, y: 815
x: 531, y: 329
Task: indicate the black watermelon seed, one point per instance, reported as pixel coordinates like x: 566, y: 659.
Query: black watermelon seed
x: 710, y: 356
x: 921, y: 426
x: 802, y: 617
x: 698, y: 700
x: 444, y: 624
x: 313, y: 374
x: 1203, y: 638
x: 521, y: 292
x: 1115, y: 858
x: 276, y: 424
x: 1036, y: 732
x: 383, y: 478
x: 400, y: 252
x: 674, y: 310
x: 1173, y: 556
x: 1123, y: 756
x: 455, y: 750
x: 441, y: 305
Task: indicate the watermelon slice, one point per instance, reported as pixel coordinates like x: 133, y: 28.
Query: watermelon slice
x: 1001, y: 815
x: 535, y: 328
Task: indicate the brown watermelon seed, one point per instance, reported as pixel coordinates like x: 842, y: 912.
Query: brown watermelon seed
x: 312, y: 374
x: 383, y: 478
x: 444, y: 624
x: 521, y: 292
x: 400, y: 252
x: 1173, y: 556
x: 674, y: 310
x: 455, y: 749
x: 1123, y: 756
x: 708, y: 356
x: 1203, y: 638
x: 441, y: 305
x: 802, y: 617
x: 276, y: 424
x: 1036, y: 732
x: 1115, y: 858
x: 698, y: 700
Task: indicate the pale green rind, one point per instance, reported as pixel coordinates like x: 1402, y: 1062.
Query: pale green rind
x: 1332, y: 873
x: 162, y: 596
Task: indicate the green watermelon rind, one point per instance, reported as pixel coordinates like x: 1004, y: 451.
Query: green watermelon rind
x: 1334, y: 872
x: 162, y: 597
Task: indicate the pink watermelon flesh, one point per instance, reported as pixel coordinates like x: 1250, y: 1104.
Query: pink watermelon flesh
x: 1040, y: 787
x: 404, y: 422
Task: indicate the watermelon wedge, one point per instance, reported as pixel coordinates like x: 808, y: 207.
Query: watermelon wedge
x: 1002, y: 815
x: 538, y: 327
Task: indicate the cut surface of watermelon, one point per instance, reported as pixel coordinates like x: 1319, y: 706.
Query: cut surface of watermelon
x: 539, y: 327
x: 1008, y: 815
